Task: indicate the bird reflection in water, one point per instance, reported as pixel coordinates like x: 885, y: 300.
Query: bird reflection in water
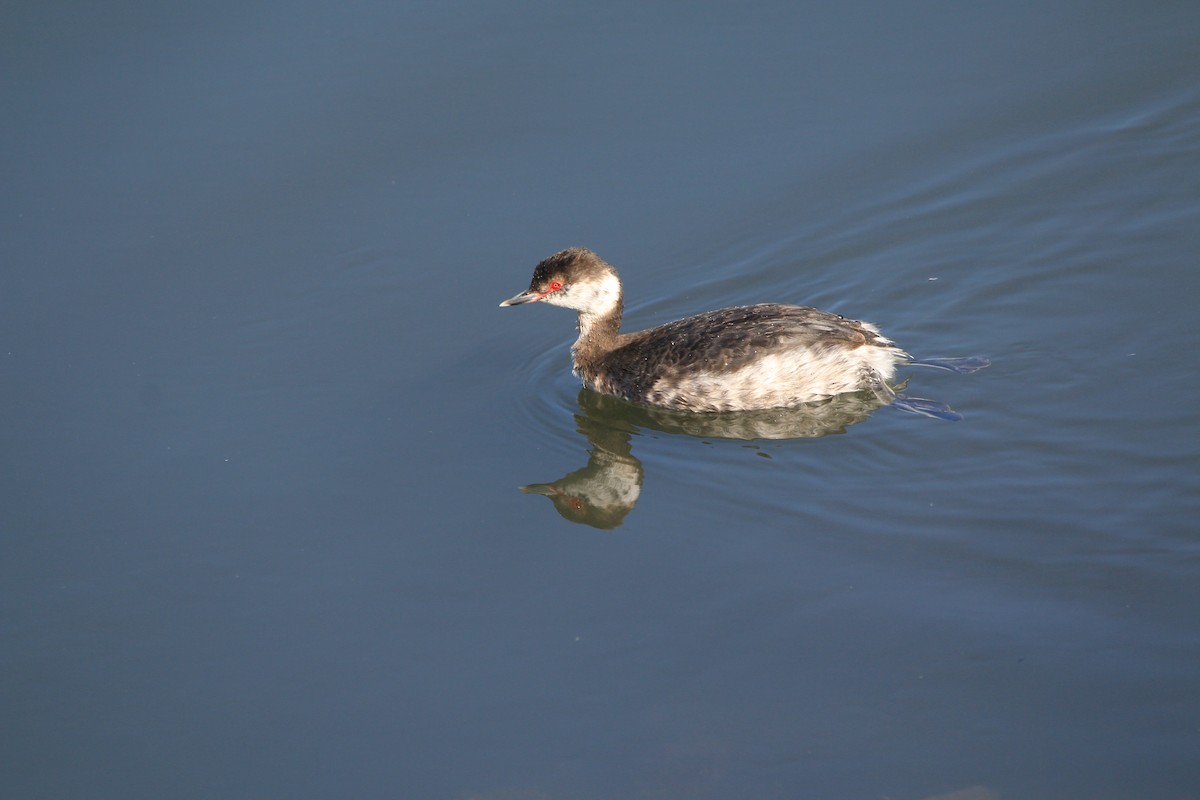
x: 603, y: 493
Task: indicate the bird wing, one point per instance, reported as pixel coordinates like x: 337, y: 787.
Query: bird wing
x: 730, y: 337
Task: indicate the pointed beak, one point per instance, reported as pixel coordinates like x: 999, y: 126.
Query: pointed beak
x: 544, y: 489
x: 527, y: 296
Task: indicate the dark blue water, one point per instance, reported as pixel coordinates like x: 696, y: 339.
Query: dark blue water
x: 263, y: 425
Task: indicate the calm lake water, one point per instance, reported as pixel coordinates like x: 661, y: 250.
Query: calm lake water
x: 264, y: 426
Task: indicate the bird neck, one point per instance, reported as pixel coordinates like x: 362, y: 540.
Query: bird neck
x: 598, y: 332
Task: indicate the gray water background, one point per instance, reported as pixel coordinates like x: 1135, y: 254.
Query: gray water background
x: 263, y: 424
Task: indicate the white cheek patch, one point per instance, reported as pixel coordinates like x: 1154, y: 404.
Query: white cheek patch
x: 593, y: 297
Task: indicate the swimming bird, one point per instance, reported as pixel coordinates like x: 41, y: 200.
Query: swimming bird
x: 743, y: 358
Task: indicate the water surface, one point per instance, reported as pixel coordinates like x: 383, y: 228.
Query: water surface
x: 264, y: 425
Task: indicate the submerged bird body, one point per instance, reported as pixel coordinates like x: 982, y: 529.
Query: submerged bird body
x: 734, y: 359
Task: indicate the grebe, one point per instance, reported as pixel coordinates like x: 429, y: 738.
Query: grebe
x: 734, y: 359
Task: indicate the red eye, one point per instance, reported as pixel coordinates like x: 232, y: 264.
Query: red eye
x: 555, y: 285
